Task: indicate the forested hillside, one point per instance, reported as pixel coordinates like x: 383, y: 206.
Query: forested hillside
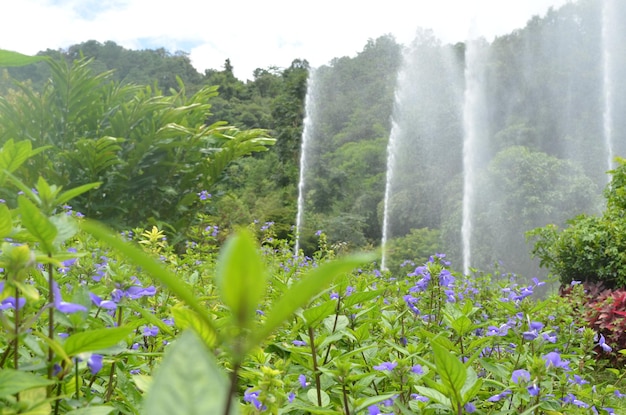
x: 542, y: 107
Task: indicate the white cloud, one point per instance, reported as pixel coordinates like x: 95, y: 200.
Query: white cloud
x: 253, y: 33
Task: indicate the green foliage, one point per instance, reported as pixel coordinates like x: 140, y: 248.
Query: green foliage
x: 413, y: 248
x: 590, y: 248
x: 151, y: 153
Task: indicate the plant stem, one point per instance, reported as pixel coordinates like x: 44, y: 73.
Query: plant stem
x: 110, y: 386
x: 337, y: 310
x: 345, y: 399
x: 16, y: 355
x: 50, y: 322
x: 318, y: 387
x: 234, y: 377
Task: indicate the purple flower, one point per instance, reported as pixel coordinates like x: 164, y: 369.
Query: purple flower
x: 299, y: 343
x: 576, y: 379
x: 107, y: 304
x: 419, y: 398
x: 386, y: 366
x: 470, y: 408
x: 9, y: 302
x: 520, y: 375
x: 204, y: 195
x: 150, y: 331
x: 94, y: 363
x: 417, y: 369
x: 530, y: 335
x: 63, y: 306
x: 603, y: 345
x: 410, y: 302
x: 302, y: 380
x: 536, y: 325
x: 549, y: 337
x: 499, y: 396
x: 553, y: 359
x: 253, y: 398
x: 373, y: 410
x: 291, y: 397
x: 533, y: 390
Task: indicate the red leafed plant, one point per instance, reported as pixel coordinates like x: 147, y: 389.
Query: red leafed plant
x: 606, y: 314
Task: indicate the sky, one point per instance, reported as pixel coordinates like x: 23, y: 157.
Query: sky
x: 254, y: 33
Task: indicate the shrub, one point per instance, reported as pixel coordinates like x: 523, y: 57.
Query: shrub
x: 590, y: 248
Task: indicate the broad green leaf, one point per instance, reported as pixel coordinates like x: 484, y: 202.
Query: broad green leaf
x: 337, y: 324
x: 462, y: 325
x: 92, y: 410
x: 362, y: 404
x: 14, y: 381
x: 449, y: 368
x: 76, y: 191
x: 37, y: 224
x: 6, y: 221
x: 433, y: 394
x: 300, y: 293
x: 312, y: 395
x: 13, y: 154
x: 314, y: 315
x: 93, y: 340
x: 240, y: 277
x: 186, y: 318
x: 358, y: 298
x: 188, y: 382
x: 152, y: 267
x: 10, y: 58
x: 472, y: 385
x: 66, y: 227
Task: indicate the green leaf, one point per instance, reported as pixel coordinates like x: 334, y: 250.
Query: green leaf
x: 360, y: 297
x: 12, y: 154
x: 92, y: 410
x: 188, y: 382
x: 6, y: 221
x: 472, y: 385
x: 462, y: 325
x: 433, y: 394
x: 303, y: 290
x: 10, y: 58
x: 450, y: 369
x: 314, y: 315
x: 240, y: 277
x: 13, y: 381
x: 93, y: 340
x: 37, y: 224
x: 312, y: 395
x: 76, y: 191
x: 186, y: 318
x: 362, y: 404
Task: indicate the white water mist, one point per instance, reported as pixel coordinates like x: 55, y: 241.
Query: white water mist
x: 607, y: 80
x: 474, y: 127
x: 307, y: 134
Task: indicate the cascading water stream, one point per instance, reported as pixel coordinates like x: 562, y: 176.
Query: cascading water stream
x: 307, y: 134
x: 391, y: 151
x: 607, y: 80
x: 473, y: 109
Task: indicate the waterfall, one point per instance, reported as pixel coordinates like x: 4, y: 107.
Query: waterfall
x: 307, y: 134
x: 607, y: 80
